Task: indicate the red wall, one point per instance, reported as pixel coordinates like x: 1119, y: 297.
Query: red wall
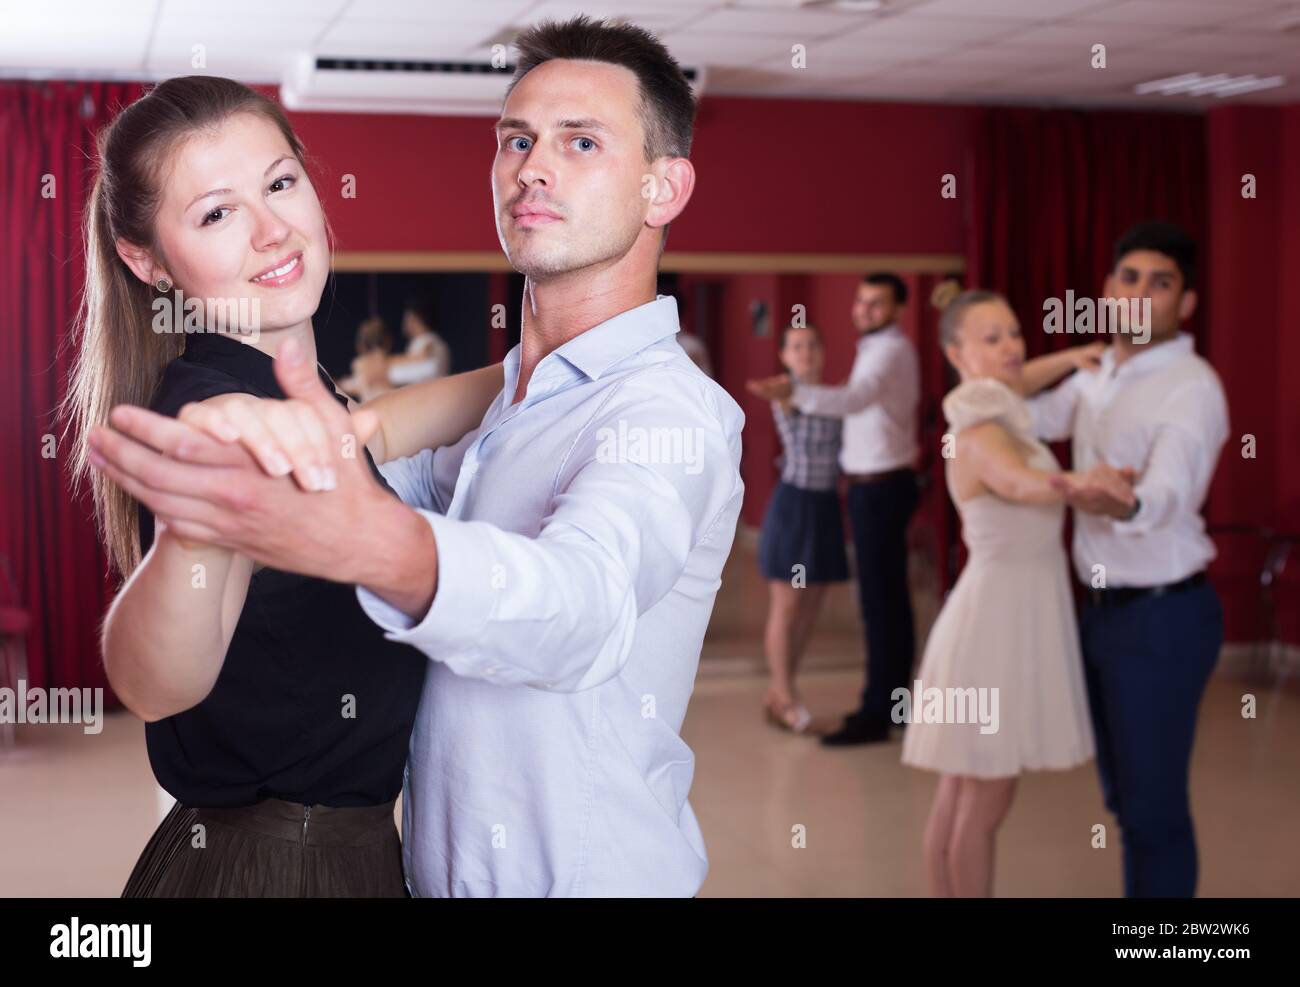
x: 1252, y: 267
x: 423, y: 183
x: 738, y: 355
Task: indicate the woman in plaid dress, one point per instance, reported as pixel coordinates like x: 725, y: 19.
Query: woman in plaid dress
x: 801, y: 547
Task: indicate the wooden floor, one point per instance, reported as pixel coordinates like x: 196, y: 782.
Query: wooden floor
x: 75, y: 810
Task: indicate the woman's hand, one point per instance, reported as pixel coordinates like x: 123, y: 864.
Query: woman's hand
x: 283, y: 436
x: 776, y: 388
x: 1087, y: 357
x: 1100, y: 490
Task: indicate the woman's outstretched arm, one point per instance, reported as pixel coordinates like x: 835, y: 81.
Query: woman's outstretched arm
x: 432, y: 413
x: 991, y: 461
x: 1044, y: 371
x: 167, y: 631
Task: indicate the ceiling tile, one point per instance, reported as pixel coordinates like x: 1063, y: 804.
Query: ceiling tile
x: 1177, y: 15
x: 478, y: 11
x: 1210, y: 43
x: 860, y: 46
x: 1018, y: 10
x: 1082, y: 35
x: 908, y: 28
x: 654, y: 17
x: 725, y: 49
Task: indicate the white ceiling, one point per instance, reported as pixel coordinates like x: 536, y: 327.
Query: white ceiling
x: 1006, y: 51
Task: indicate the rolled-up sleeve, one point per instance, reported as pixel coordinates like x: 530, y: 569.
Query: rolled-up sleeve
x: 644, y: 483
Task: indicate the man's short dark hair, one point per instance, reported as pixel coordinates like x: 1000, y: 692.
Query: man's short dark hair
x: 667, y: 103
x: 1164, y: 238
x: 895, y: 283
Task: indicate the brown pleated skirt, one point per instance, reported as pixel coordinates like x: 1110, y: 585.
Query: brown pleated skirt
x: 273, y: 849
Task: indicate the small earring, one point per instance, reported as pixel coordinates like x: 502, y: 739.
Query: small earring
x: 163, y: 285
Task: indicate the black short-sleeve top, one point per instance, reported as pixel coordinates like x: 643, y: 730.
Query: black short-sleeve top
x: 312, y: 705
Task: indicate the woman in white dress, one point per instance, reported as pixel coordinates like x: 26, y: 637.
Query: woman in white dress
x: 1003, y: 654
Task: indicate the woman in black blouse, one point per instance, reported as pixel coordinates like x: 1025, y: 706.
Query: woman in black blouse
x: 277, y: 714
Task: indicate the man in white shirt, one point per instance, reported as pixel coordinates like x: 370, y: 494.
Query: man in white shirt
x: 878, y: 457
x: 1151, y: 625
x: 561, y: 561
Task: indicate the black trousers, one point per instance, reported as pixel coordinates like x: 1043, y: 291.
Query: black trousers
x: 879, y: 513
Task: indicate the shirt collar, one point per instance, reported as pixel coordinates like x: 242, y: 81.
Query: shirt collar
x: 1147, y: 359
x: 626, y: 334
x: 243, y: 362
x: 890, y: 330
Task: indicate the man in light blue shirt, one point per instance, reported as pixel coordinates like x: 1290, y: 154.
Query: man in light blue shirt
x: 581, y: 531
x: 566, y: 630
x: 559, y: 564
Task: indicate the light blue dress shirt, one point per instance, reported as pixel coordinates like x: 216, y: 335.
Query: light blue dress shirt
x: 581, y: 537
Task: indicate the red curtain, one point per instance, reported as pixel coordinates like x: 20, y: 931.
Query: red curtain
x: 47, y: 132
x: 1053, y: 189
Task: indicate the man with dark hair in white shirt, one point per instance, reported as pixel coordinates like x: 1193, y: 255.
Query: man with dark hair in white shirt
x: 878, y: 457
x: 1153, y: 420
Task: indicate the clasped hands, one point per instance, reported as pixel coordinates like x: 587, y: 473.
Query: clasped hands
x: 1103, y: 489
x: 246, y: 474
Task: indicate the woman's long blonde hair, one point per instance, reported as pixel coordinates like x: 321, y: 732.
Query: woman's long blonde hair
x: 121, y: 359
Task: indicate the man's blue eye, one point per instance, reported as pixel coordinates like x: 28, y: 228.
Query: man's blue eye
x: 515, y: 141
x: 586, y: 143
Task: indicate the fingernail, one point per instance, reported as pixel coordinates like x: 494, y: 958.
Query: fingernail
x: 228, y: 432
x: 331, y: 479
x: 279, y: 465
x: 290, y: 352
x: 96, y: 459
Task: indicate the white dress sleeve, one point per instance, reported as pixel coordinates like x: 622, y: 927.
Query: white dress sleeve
x: 986, y: 399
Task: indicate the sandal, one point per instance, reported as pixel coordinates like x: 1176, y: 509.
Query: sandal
x: 793, y: 717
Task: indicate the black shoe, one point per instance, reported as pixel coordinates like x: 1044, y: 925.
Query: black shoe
x: 857, y: 732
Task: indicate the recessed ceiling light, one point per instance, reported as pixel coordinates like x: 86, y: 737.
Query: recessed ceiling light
x: 1196, y: 84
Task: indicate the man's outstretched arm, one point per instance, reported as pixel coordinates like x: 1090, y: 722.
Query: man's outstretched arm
x: 354, y: 533
x: 557, y: 611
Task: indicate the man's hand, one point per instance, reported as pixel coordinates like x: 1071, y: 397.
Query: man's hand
x: 353, y: 533
x: 778, y: 388
x: 1101, y: 490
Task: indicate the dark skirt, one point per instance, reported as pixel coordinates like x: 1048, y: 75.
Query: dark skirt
x: 265, y: 851
x: 803, y: 527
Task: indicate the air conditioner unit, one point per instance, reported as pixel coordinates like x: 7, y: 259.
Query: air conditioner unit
x: 436, y: 88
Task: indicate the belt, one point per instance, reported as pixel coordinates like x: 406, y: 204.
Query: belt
x: 876, y: 477
x: 1121, y: 595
